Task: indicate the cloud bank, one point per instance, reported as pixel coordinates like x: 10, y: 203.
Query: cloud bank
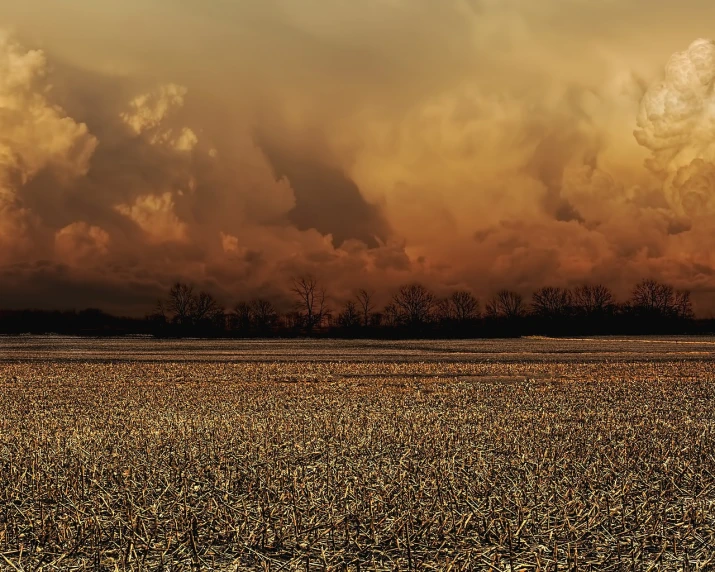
x: 455, y: 143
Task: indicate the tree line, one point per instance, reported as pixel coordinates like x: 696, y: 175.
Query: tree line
x: 414, y: 310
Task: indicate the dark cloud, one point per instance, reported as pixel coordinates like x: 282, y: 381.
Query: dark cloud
x: 326, y: 199
x: 53, y: 286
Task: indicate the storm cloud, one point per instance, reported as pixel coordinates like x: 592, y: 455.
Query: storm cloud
x: 475, y: 144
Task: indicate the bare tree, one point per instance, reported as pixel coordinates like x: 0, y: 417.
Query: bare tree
x: 311, y: 301
x: 414, y: 303
x: 242, y: 317
x: 443, y: 310
x: 349, y: 316
x: 652, y: 297
x: 658, y: 299
x: 159, y: 313
x: 365, y: 304
x: 464, y: 305
x: 205, y: 307
x: 506, y: 304
x: 263, y: 314
x: 292, y: 319
x: 186, y: 308
x: 391, y: 315
x: 593, y: 300
x: 377, y: 319
x: 550, y: 302
x: 683, y: 305
x: 181, y: 303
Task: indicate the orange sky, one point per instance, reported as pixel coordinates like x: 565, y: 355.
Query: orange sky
x: 463, y: 143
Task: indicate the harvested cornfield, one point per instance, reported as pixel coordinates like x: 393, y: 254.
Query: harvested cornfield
x: 501, y: 455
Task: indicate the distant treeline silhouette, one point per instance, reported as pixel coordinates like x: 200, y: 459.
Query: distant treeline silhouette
x: 414, y: 311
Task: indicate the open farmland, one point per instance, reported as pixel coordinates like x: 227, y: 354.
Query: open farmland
x: 314, y: 455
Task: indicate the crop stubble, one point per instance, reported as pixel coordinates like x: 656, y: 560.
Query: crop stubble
x: 373, y: 465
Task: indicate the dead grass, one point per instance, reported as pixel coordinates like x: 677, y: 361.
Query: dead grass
x: 359, y: 466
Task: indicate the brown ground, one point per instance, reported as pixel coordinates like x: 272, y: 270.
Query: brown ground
x: 521, y: 455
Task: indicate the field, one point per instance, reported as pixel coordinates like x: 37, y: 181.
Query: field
x: 488, y: 455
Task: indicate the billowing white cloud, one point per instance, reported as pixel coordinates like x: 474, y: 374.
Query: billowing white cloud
x: 34, y: 135
x: 677, y: 123
x: 148, y: 114
x: 155, y: 215
x: 80, y: 242
x: 148, y: 111
x: 186, y: 140
x: 677, y: 115
x: 229, y: 243
x: 693, y: 189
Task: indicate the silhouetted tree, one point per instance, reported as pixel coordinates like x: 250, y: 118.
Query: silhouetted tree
x: 187, y: 309
x: 376, y: 319
x: 205, y: 308
x: 242, y: 317
x: 181, y: 303
x: 292, y: 320
x: 391, y: 315
x: 464, y: 306
x: 264, y: 314
x: 414, y: 304
x: 506, y: 304
x: 158, y: 316
x: 654, y: 307
x: 655, y: 299
x: 552, y: 303
x: 349, y: 317
x: 366, y: 307
x: 593, y: 300
x: 443, y: 310
x: 683, y: 305
x: 311, y: 302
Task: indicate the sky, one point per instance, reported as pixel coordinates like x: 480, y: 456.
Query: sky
x: 236, y: 144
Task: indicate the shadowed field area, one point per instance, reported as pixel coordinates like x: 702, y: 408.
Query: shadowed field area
x: 493, y: 455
